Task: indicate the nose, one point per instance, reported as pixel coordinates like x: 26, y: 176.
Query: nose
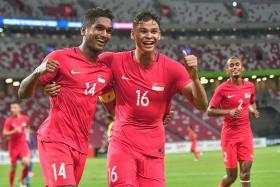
x: 104, y: 33
x: 149, y: 35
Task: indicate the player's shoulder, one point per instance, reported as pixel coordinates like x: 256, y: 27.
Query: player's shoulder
x: 24, y: 116
x: 169, y: 62
x: 57, y: 54
x: 112, y: 57
x: 223, y: 85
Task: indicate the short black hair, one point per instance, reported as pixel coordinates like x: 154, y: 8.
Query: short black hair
x: 145, y: 16
x: 93, y: 13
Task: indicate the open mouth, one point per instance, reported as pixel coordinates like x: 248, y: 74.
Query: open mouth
x: 148, y: 44
x: 100, y: 41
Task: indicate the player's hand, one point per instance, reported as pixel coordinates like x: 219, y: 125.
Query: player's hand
x: 52, y: 89
x: 47, y: 66
x: 256, y: 114
x: 167, y: 118
x: 190, y: 63
x: 17, y: 129
x: 235, y: 112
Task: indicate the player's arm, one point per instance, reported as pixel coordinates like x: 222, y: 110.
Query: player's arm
x: 254, y: 111
x: 30, y: 84
x: 109, y: 101
x: 194, y: 91
x: 215, y: 112
x: 10, y: 132
x: 27, y: 133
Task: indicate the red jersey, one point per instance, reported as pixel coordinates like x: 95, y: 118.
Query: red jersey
x: 230, y: 96
x: 143, y: 95
x: 192, y: 135
x: 16, y: 140
x: 72, y: 110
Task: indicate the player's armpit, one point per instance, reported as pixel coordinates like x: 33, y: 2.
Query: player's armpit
x: 109, y: 101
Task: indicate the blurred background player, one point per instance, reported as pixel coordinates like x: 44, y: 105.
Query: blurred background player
x: 63, y: 137
x: 192, y: 136
x: 234, y: 99
x: 14, y: 129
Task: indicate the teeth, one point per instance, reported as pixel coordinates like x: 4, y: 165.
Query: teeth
x: 148, y: 43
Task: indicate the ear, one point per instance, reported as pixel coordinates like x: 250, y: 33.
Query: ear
x: 132, y: 34
x: 83, y: 31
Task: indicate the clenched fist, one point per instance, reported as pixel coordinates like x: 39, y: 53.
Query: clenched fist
x: 47, y: 66
x: 190, y: 63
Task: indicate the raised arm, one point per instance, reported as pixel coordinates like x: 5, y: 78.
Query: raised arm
x: 30, y: 84
x: 194, y: 91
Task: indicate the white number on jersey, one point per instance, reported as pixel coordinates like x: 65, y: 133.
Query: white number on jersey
x: 112, y: 175
x: 144, y: 100
x: 240, y: 103
x: 90, y: 90
x: 225, y: 156
x: 61, y: 171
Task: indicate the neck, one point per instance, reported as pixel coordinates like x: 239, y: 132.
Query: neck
x: 88, y: 54
x: 17, y: 115
x: 236, y: 80
x: 145, y: 59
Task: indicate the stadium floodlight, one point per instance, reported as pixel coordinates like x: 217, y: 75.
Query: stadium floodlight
x: 271, y: 76
x: 1, y: 29
x: 246, y: 79
x: 16, y: 83
x: 259, y: 80
x: 220, y: 78
x: 254, y: 76
x: 9, y: 80
x: 264, y: 78
x: 234, y: 4
x: 204, y: 81
x: 211, y: 80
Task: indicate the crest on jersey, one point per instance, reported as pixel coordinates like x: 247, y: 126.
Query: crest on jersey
x: 247, y: 95
x: 158, y: 87
x: 101, y: 80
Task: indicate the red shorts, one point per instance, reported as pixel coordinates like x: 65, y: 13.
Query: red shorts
x: 237, y: 150
x: 61, y: 164
x: 126, y: 167
x: 193, y: 146
x: 19, y: 152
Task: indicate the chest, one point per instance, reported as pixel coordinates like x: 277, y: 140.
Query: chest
x: 18, y: 123
x: 84, y: 78
x: 237, y: 96
x: 141, y: 84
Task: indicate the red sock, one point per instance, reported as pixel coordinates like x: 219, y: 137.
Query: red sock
x: 24, y: 173
x: 12, y: 177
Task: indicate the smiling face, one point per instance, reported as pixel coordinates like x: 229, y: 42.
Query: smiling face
x: 234, y: 67
x: 146, y: 35
x: 15, y: 109
x: 97, y: 34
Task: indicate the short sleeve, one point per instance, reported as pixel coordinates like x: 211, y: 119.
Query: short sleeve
x: 253, y: 96
x: 48, y: 77
x: 7, y: 124
x: 216, y: 99
x: 106, y: 58
x: 181, y: 76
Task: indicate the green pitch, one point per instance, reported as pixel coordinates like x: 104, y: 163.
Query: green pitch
x: 181, y: 170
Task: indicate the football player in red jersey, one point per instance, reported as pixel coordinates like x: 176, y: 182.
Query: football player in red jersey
x: 234, y: 99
